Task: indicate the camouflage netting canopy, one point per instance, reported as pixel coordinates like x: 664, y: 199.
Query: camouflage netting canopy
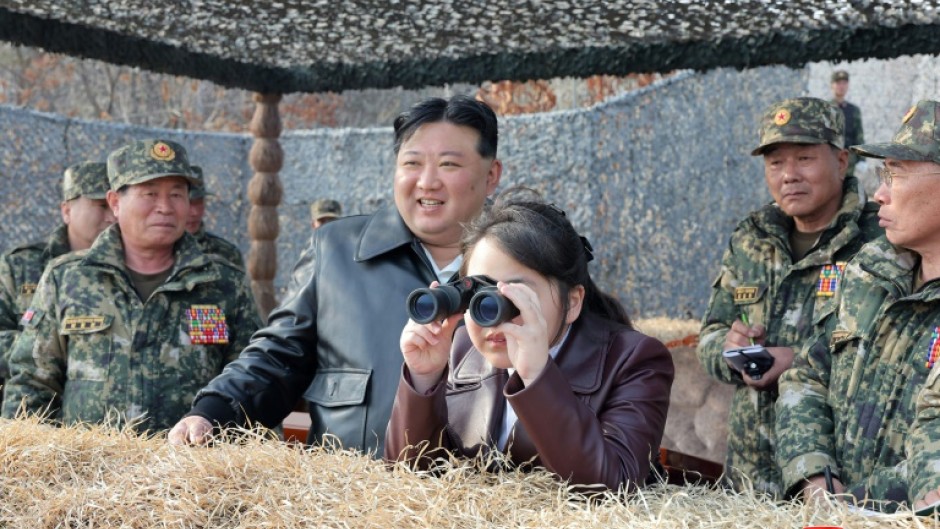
x: 323, y: 45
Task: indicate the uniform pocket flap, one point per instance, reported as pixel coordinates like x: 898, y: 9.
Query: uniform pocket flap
x: 339, y: 387
x: 748, y: 294
x: 73, y: 325
x: 839, y: 338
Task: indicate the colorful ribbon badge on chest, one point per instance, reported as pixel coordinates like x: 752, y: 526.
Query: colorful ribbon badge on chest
x: 27, y: 316
x: 828, y: 282
x: 933, y: 350
x: 207, y: 325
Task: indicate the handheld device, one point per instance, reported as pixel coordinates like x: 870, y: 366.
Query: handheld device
x: 930, y: 510
x: 753, y: 360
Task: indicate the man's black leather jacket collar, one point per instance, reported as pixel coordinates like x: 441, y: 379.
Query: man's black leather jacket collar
x: 385, y: 231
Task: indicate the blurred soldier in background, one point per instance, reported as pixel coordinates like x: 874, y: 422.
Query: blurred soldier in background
x: 854, y: 134
x: 208, y: 241
x: 85, y: 214
x: 324, y: 210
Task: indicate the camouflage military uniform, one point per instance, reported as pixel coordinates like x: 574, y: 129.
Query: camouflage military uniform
x: 848, y: 402
x: 212, y: 243
x: 923, y: 451
x: 91, y: 346
x: 20, y: 270
x: 759, y: 278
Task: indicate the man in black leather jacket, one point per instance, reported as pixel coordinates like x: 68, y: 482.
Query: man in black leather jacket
x: 335, y: 339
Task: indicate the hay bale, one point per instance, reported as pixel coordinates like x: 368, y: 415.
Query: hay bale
x: 99, y: 477
x: 692, y: 384
x: 668, y: 330
x: 697, y: 423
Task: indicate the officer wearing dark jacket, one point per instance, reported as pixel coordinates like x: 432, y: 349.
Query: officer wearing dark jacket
x: 334, y: 340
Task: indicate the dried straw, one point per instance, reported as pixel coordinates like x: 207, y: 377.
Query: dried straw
x: 667, y: 329
x: 94, y: 476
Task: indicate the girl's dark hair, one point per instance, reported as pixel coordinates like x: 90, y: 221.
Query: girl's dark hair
x: 459, y: 110
x: 539, y: 236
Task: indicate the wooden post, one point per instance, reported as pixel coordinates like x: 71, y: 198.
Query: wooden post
x: 264, y: 192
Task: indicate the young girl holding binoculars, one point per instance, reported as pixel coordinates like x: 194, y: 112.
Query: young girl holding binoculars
x: 565, y: 384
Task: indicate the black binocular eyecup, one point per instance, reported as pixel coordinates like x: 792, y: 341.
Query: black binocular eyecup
x: 487, y: 306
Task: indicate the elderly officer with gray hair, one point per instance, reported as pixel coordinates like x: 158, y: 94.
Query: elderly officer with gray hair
x: 131, y: 328
x: 85, y: 214
x: 780, y: 267
x: 847, y: 408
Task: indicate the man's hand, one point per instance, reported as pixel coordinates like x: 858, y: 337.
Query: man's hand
x: 740, y: 335
x: 191, y: 430
x: 783, y: 359
x: 815, y: 488
x: 929, y: 499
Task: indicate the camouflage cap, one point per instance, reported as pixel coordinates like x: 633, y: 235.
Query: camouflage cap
x: 324, y: 208
x: 840, y: 75
x: 85, y: 179
x: 141, y: 161
x: 917, y: 140
x: 801, y: 120
x: 198, y: 188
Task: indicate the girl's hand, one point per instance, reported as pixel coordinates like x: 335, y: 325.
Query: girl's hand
x: 527, y: 335
x: 426, y: 349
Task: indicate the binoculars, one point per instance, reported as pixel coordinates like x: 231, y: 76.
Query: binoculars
x: 487, y: 306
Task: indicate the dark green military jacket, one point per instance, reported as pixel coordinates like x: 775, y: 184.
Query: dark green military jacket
x: 923, y: 451
x: 20, y: 270
x: 849, y: 401
x: 212, y: 243
x: 91, y: 347
x: 854, y: 133
x: 759, y: 278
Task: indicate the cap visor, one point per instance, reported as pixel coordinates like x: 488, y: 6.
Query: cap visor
x: 809, y: 140
x: 96, y: 196
x: 892, y: 150
x: 149, y: 177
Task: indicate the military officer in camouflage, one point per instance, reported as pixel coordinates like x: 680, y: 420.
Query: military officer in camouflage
x: 848, y: 404
x: 323, y: 211
x: 781, y: 264
x: 131, y: 328
x: 209, y: 242
x: 854, y: 133
x: 85, y: 214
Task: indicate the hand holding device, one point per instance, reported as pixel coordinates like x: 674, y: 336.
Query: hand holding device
x: 754, y: 360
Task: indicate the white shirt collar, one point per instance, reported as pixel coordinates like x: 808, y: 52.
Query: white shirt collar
x: 444, y: 274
